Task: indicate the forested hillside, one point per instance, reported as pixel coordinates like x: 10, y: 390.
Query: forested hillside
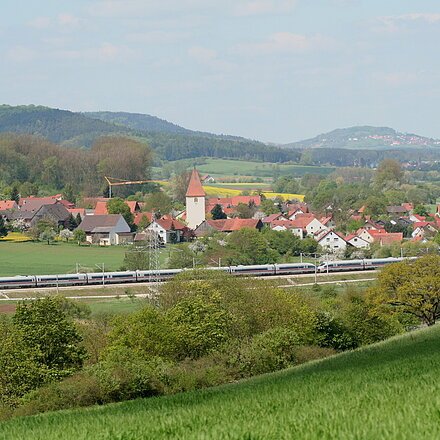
x: 168, y: 140
x: 59, y: 126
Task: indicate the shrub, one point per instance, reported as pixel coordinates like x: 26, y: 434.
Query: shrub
x: 270, y: 351
x: 192, y: 374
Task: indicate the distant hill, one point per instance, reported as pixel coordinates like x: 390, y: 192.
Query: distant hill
x: 170, y: 141
x: 365, y: 137
x: 138, y: 122
x: 59, y: 126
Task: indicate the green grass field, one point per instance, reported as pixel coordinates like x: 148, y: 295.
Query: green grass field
x: 386, y: 391
x: 41, y: 259
x: 225, y: 167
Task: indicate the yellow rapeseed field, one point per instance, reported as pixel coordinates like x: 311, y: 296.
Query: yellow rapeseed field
x: 16, y: 237
x: 230, y: 192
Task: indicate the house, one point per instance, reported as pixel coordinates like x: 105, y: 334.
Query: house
x: 34, y: 203
x: 207, y: 179
x: 76, y: 211
x: 397, y: 211
x: 272, y: 217
x: 311, y: 224
x: 139, y: 216
x: 328, y: 222
x: 232, y: 202
x: 57, y: 213
x: 425, y: 230
x: 101, y: 207
x: 417, y: 218
x: 357, y: 242
x: 227, y: 225
x: 296, y: 227
x: 168, y: 229
x: 380, y: 236
x: 8, y: 205
x: 105, y: 230
x: 294, y: 213
x: 331, y: 241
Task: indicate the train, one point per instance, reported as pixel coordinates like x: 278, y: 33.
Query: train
x: 142, y: 276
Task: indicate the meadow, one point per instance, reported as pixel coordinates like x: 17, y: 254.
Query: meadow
x: 387, y: 390
x: 39, y: 258
x: 226, y: 167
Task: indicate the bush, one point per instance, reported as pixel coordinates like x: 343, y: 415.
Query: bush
x: 121, y: 376
x: 270, y: 351
x: 192, y: 374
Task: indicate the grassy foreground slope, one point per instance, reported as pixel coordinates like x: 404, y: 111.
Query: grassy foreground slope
x: 386, y: 391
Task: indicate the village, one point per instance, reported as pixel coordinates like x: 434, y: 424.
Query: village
x: 205, y: 215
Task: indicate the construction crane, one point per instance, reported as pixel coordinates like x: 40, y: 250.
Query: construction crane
x: 113, y: 181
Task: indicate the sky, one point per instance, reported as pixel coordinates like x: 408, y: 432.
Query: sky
x: 272, y: 70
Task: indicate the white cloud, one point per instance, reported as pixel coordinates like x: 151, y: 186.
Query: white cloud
x: 68, y: 20
x: 395, y: 79
x: 256, y: 7
x: 157, y: 37
x: 149, y: 8
x: 393, y: 23
x: 40, y: 23
x: 209, y: 58
x: 286, y: 42
x: 21, y: 54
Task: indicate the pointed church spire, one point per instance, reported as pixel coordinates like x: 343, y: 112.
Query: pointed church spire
x: 195, y: 188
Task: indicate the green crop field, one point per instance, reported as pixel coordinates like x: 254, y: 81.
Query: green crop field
x: 225, y: 167
x: 39, y: 258
x: 386, y: 391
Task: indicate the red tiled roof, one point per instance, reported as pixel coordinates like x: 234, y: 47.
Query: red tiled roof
x: 76, y: 211
x: 101, y: 206
x: 169, y: 223
x: 408, y: 206
x: 228, y: 202
x: 272, y: 217
x: 323, y: 234
x: 233, y: 224
x: 139, y: 215
x: 391, y: 237
x: 420, y: 218
x: 195, y: 188
x: 7, y: 204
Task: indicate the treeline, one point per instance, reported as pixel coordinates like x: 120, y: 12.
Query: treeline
x: 34, y: 166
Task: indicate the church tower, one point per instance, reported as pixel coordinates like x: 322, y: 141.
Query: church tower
x: 195, y: 201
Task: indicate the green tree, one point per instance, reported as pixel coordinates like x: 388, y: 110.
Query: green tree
x: 15, y: 195
x: 217, y: 212
x: 19, y: 369
x: 3, y: 229
x: 51, y: 334
x: 269, y: 207
x: 47, y: 235
x: 69, y: 193
x: 201, y: 323
x: 249, y: 246
x: 389, y: 170
x: 244, y: 210
x: 137, y: 258
x: 421, y: 210
x: 411, y: 287
x: 158, y: 202
x: 79, y: 236
x: 375, y: 205
x: 118, y: 206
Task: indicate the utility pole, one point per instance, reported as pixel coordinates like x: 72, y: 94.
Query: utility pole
x: 153, y: 244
